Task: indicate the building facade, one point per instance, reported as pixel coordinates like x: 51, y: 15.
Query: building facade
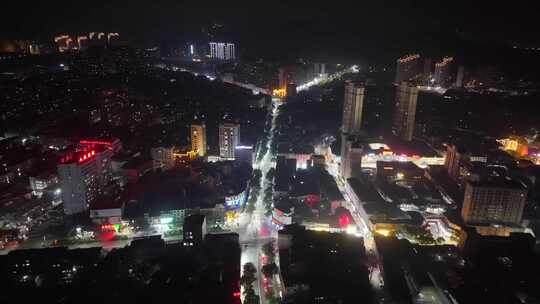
x: 457, y: 158
x: 222, y: 51
x: 351, y: 157
x: 407, y: 68
x: 453, y: 160
x: 353, y: 103
x: 198, y: 139
x: 83, y: 176
x: 39, y: 183
x: 163, y: 158
x: 442, y: 71
x: 244, y: 153
x: 405, y: 111
x: 493, y: 202
x: 229, y: 138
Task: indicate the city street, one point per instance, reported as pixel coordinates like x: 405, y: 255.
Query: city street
x: 256, y: 229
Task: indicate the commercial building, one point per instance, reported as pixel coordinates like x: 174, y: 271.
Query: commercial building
x: 229, y: 138
x: 113, y: 144
x: 407, y: 68
x: 493, y: 201
x: 397, y: 170
x: 83, y: 175
x: 353, y: 103
x: 405, y: 111
x: 222, y: 51
x: 244, y: 153
x: 198, y: 139
x: 106, y: 211
x: 345, y: 274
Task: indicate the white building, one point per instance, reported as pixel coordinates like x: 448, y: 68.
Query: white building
x: 229, y: 138
x: 83, y: 175
x: 222, y: 51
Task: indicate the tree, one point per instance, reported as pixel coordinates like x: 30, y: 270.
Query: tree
x: 271, y: 296
x: 249, y: 268
x: 269, y: 269
x: 248, y: 276
x: 256, y: 176
x: 250, y: 297
x: 268, y: 249
x: 270, y: 174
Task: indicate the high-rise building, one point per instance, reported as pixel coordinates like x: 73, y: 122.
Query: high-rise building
x: 229, y: 138
x: 83, y: 175
x: 405, y: 111
x: 351, y: 157
x: 493, y: 201
x: 442, y: 71
x: 407, y: 68
x: 353, y: 103
x: 222, y: 51
x: 198, y: 139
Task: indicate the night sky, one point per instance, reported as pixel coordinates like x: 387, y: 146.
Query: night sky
x: 370, y: 27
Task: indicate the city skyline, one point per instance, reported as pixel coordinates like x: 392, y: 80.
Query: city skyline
x: 328, y: 29
x: 269, y: 153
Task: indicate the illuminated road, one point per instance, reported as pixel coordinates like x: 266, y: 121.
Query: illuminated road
x: 323, y: 80
x: 256, y: 229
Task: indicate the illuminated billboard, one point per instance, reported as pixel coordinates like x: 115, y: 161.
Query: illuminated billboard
x: 233, y: 202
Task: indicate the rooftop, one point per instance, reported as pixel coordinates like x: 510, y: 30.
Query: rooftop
x: 498, y: 183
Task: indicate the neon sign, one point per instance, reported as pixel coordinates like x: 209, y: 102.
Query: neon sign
x: 86, y: 155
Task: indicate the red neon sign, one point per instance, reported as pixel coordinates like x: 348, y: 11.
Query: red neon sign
x: 94, y: 142
x: 86, y: 155
x: 236, y: 294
